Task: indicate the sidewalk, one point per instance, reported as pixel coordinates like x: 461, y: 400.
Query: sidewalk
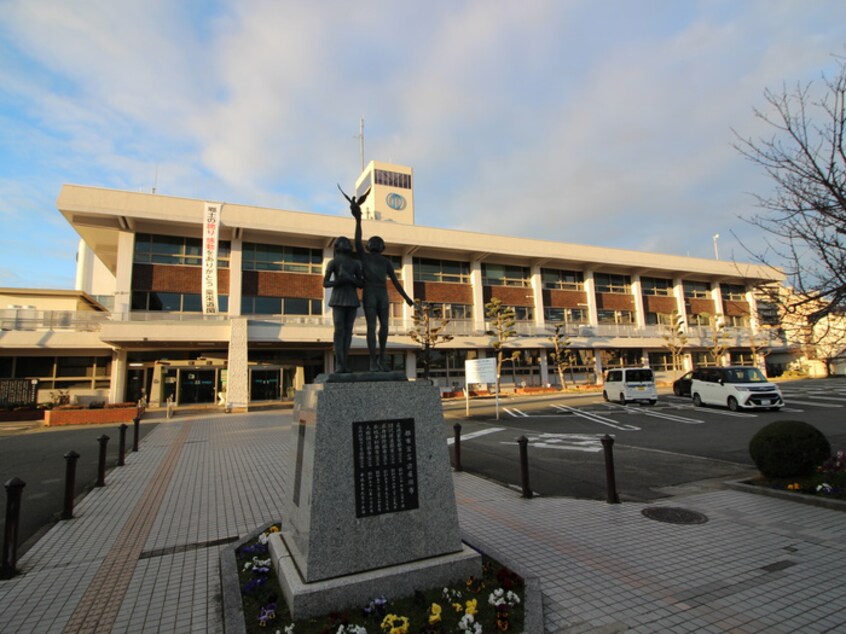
x: 142, y: 553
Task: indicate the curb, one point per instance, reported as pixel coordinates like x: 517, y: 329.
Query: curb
x: 801, y: 498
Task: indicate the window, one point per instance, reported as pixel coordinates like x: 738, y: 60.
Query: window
x: 566, y: 315
x: 258, y: 305
x: 505, y: 275
x: 659, y: 319
x: 661, y: 361
x: 396, y: 262
x: 703, y: 359
x: 524, y: 313
x: 742, y: 357
x: 452, y: 311
x: 274, y: 257
x: 174, y: 302
x: 562, y: 280
x: 175, y: 250
x: 697, y: 290
x: 700, y: 319
x: 615, y: 317
x: 450, y: 271
x: 737, y: 321
x: 610, y: 283
x: 393, y: 179
x: 656, y: 286
x: 733, y: 292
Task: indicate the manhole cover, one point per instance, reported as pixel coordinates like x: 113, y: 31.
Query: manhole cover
x: 674, y: 515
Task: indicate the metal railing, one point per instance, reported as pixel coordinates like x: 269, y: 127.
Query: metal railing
x: 27, y: 319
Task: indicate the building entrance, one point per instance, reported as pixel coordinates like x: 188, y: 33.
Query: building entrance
x: 197, y: 386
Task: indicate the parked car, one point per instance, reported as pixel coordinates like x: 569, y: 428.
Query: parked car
x: 735, y: 387
x: 681, y: 386
x: 630, y: 384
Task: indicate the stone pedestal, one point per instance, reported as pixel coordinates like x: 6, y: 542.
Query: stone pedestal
x: 370, y: 497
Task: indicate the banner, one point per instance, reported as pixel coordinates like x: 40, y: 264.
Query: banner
x: 211, y: 234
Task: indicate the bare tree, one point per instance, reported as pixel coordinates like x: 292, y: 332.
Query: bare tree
x: 502, y: 320
x: 562, y: 356
x: 805, y: 215
x: 429, y: 331
x: 719, y: 343
x: 675, y: 339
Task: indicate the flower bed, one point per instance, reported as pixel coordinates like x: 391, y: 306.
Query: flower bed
x: 81, y: 416
x: 22, y: 413
x: 490, y: 604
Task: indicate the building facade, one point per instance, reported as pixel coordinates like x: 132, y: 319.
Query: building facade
x: 209, y: 302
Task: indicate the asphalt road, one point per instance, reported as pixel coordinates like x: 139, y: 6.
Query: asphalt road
x: 657, y: 450
x: 36, y: 456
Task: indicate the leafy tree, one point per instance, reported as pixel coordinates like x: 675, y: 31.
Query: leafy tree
x: 805, y: 215
x: 429, y: 331
x: 502, y: 320
x: 675, y: 339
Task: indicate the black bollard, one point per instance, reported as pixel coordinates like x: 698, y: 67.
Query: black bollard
x: 610, y: 479
x: 70, y: 483
x: 524, y: 466
x: 136, y: 422
x: 122, y: 445
x: 457, y: 429
x: 14, y: 488
x: 101, y: 465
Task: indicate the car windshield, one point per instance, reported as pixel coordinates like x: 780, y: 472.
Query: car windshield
x: 639, y: 375
x: 745, y: 375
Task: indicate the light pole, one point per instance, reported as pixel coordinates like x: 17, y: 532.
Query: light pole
x: 716, y: 249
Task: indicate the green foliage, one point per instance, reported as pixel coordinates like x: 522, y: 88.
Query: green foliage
x: 429, y: 330
x: 788, y: 449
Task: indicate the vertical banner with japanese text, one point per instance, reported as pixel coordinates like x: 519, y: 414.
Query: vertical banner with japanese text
x: 211, y: 234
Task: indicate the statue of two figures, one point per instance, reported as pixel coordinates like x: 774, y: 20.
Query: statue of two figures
x: 368, y: 270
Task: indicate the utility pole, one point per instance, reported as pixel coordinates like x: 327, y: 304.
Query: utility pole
x: 360, y: 137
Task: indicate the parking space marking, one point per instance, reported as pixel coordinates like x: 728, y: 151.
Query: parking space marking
x: 659, y: 414
x: 795, y: 402
x: 476, y: 434
x: 596, y: 418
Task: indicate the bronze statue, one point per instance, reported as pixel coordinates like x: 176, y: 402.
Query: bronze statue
x: 377, y: 268
x: 344, y: 275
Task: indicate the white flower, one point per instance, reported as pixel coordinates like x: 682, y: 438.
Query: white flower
x: 468, y: 624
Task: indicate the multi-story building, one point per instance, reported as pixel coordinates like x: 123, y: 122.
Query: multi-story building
x: 211, y: 301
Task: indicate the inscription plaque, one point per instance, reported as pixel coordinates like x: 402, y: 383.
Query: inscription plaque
x: 17, y: 392
x: 385, y: 462
x: 298, y: 472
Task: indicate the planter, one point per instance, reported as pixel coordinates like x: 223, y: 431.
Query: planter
x: 56, y: 417
x: 24, y: 414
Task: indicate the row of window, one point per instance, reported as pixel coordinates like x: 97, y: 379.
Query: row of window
x: 49, y: 368
x: 158, y: 249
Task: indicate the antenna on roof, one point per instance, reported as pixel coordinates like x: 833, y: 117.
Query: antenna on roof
x: 156, y: 179
x: 360, y: 137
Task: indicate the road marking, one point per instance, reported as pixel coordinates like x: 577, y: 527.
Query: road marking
x: 476, y: 434
x: 589, y: 443
x: 658, y: 414
x: 791, y: 409
x: 515, y: 413
x: 794, y: 402
x: 596, y: 418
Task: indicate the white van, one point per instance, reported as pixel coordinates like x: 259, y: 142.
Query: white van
x: 735, y: 387
x: 630, y: 384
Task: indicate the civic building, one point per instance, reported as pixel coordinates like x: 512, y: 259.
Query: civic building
x: 200, y: 301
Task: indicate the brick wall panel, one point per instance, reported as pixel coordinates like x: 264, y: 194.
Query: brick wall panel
x: 564, y: 299
x: 699, y: 306
x: 614, y: 301
x: 439, y: 292
x: 659, y: 304
x: 281, y: 284
x: 735, y: 308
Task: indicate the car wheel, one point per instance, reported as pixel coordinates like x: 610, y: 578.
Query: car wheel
x: 653, y: 402
x: 605, y: 395
x: 732, y: 404
x: 697, y: 401
x: 622, y: 399
x: 677, y: 390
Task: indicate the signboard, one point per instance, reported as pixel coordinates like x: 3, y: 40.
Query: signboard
x: 18, y: 392
x: 211, y: 235
x: 385, y: 463
x: 480, y: 370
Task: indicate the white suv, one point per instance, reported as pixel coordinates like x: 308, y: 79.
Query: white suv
x: 630, y: 384
x: 735, y: 387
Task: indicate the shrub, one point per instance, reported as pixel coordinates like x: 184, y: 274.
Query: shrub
x: 119, y: 405
x: 788, y: 449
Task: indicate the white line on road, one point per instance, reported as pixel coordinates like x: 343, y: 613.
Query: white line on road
x: 515, y: 413
x: 658, y: 414
x: 794, y: 402
x: 567, y: 442
x: 596, y: 418
x: 476, y: 434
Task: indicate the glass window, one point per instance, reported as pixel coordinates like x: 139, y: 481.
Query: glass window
x: 659, y: 319
x: 274, y: 257
x: 74, y: 366
x: 191, y: 303
x: 450, y: 271
x: 566, y: 315
x: 697, y: 290
x: 6, y: 364
x: 34, y: 367
x: 656, y: 286
x: 615, y: 316
x: 562, y: 280
x: 524, y: 313
x: 611, y: 283
x: 175, y: 250
x: 452, y: 311
x: 700, y: 319
x: 296, y: 306
x: 737, y: 321
x: 662, y: 361
x: 505, y: 275
x: 733, y: 292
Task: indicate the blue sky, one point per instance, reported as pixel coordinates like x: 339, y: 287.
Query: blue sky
x: 592, y: 122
